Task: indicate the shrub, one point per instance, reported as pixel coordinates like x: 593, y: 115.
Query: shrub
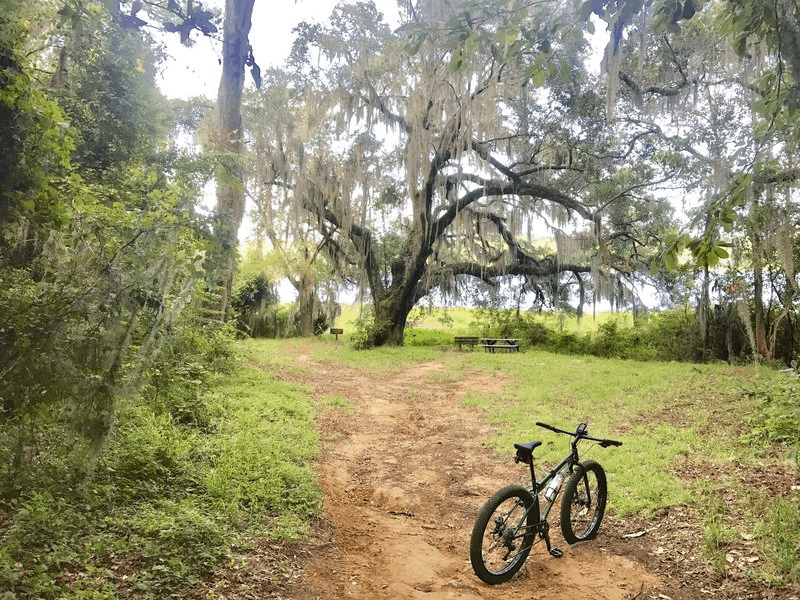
x: 675, y: 335
x: 613, y: 339
x: 779, y: 417
x: 180, y: 544
x: 363, y: 336
x: 255, y: 304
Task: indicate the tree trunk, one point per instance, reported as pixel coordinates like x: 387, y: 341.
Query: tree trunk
x: 230, y: 178
x: 391, y: 314
x: 306, y: 306
x: 704, y: 310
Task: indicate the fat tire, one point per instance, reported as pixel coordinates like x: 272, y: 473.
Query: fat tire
x: 582, y: 507
x: 516, y: 505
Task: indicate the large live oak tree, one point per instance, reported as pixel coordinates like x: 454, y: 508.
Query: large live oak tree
x: 474, y: 156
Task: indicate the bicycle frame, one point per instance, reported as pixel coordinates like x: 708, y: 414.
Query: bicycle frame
x: 504, y: 536
x: 542, y: 527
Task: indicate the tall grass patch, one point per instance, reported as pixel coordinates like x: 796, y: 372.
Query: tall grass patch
x: 261, y: 460
x: 660, y: 411
x: 778, y: 537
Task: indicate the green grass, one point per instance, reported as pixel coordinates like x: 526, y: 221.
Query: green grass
x: 260, y: 459
x: 174, y: 498
x: 170, y: 500
x: 778, y: 539
x: 667, y: 414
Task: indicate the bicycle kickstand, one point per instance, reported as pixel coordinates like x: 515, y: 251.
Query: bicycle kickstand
x: 545, y: 534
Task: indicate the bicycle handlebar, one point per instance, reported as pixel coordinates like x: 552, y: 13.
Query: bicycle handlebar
x: 581, y: 433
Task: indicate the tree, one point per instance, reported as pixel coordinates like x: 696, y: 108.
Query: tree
x: 271, y: 116
x: 98, y: 258
x: 236, y: 54
x: 484, y: 155
x: 740, y: 146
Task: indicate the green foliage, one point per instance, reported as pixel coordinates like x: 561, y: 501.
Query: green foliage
x: 614, y: 340
x: 778, y: 538
x: 111, y: 100
x: 168, y: 498
x: 36, y: 142
x: 668, y: 335
x: 260, y: 460
x: 675, y: 335
x: 257, y: 310
x: 363, y: 338
x: 181, y: 542
x: 778, y: 420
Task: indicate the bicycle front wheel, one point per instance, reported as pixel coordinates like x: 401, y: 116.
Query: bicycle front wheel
x: 583, y: 503
x: 503, y: 534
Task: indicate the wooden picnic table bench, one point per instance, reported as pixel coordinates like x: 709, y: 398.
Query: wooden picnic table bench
x: 505, y: 344
x: 466, y: 340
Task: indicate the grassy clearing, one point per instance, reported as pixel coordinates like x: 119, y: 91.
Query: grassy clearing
x: 665, y: 413
x: 677, y: 421
x: 671, y: 417
x: 173, y: 497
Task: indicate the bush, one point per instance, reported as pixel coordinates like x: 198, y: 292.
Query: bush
x: 363, y: 336
x: 675, y: 335
x: 39, y: 543
x: 180, y: 544
x: 255, y: 304
x: 778, y: 421
x: 615, y: 340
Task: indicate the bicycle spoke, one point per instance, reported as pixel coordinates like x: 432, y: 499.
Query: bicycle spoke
x: 503, y: 534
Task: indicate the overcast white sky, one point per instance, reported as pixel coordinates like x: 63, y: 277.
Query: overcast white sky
x: 196, y: 71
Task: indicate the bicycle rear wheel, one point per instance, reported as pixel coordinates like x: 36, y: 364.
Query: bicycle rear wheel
x: 503, y: 534
x: 583, y: 503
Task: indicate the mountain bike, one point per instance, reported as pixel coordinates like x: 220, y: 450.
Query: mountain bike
x: 510, y: 522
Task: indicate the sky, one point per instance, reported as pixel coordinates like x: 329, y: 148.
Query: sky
x: 196, y: 71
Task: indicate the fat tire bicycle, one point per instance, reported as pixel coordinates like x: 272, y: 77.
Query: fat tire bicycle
x: 510, y: 522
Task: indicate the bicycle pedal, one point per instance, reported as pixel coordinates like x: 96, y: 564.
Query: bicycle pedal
x: 556, y: 553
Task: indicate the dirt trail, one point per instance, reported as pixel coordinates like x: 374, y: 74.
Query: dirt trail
x: 404, y: 477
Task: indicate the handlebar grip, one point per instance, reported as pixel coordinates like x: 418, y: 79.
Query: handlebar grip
x: 607, y: 443
x: 546, y: 426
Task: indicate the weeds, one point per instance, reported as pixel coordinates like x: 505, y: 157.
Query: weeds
x: 778, y: 537
x: 170, y: 496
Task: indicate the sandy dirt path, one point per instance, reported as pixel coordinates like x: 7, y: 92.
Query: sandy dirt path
x: 404, y: 476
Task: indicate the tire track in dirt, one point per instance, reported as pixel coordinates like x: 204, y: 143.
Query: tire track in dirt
x: 404, y: 479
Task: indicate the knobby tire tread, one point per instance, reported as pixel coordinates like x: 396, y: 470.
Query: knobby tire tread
x: 576, y: 485
x: 484, y: 521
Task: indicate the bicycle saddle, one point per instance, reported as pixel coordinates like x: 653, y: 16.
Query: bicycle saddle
x: 525, y: 451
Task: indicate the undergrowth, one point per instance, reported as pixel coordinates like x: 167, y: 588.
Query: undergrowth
x: 171, y: 495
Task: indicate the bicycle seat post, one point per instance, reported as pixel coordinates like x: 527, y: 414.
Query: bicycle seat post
x: 525, y: 455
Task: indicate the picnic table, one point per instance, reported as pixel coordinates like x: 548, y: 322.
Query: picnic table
x: 466, y: 340
x: 503, y: 344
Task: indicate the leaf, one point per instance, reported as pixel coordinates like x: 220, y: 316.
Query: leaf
x: 458, y: 62
x: 670, y: 261
x: 415, y: 42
